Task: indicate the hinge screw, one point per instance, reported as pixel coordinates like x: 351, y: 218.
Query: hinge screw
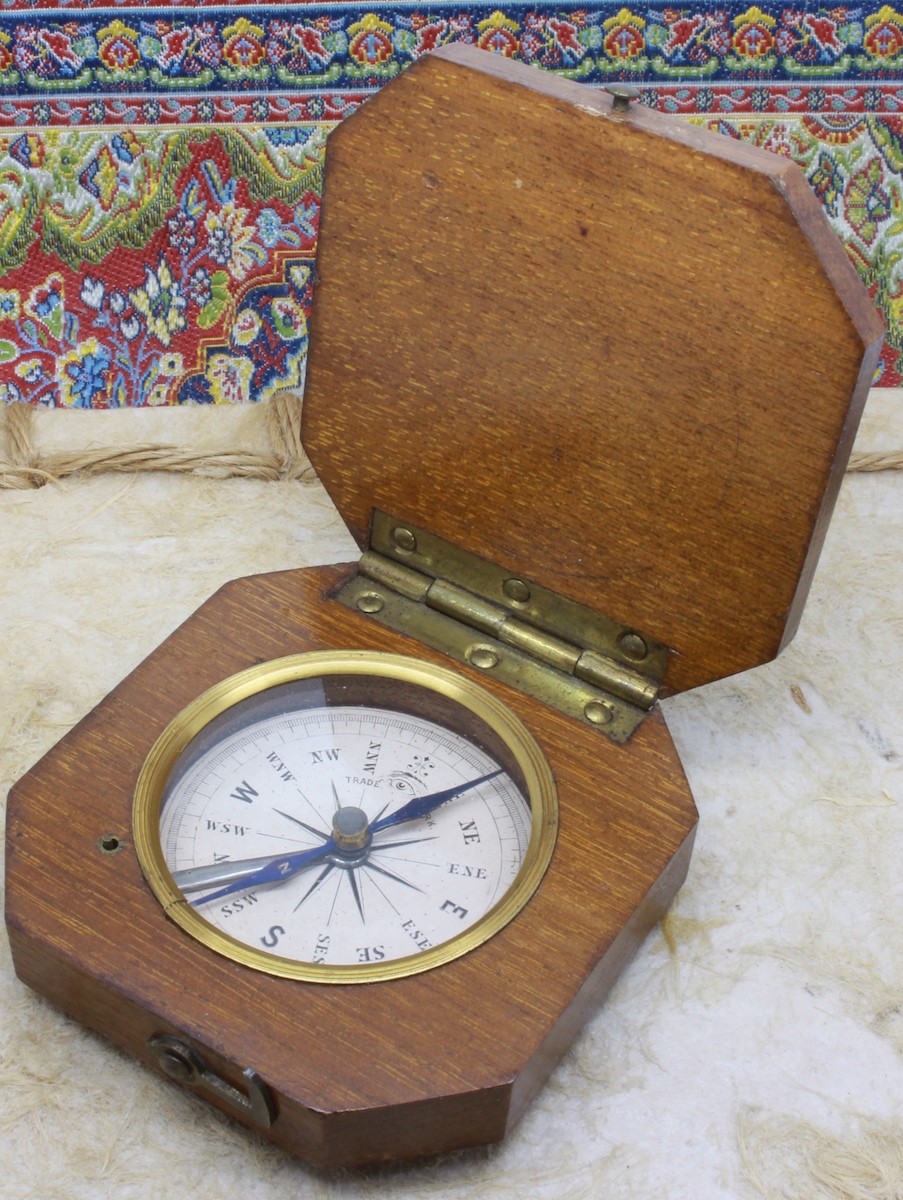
x: 599, y: 712
x: 633, y: 646
x: 483, y: 657
x: 404, y: 539
x: 516, y: 590
x: 622, y: 94
x: 370, y: 602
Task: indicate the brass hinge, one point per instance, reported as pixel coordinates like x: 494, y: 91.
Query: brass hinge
x: 563, y: 653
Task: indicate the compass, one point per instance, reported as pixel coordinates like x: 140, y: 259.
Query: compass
x: 345, y: 817
x: 355, y: 853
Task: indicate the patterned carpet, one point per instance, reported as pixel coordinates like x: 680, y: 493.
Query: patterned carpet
x: 159, y: 166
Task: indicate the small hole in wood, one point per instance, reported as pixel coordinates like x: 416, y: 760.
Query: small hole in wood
x: 109, y: 843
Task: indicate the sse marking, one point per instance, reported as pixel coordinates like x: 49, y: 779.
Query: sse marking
x: 322, y: 948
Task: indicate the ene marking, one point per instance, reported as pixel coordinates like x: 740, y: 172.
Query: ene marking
x: 316, y: 756
x: 245, y: 792
x: 468, y: 872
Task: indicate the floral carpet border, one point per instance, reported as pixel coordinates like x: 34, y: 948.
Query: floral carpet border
x: 101, y: 64
x: 160, y: 168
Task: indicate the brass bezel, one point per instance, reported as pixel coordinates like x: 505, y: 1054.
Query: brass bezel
x: 190, y: 721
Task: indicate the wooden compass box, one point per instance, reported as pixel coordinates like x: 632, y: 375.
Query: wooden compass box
x: 610, y: 367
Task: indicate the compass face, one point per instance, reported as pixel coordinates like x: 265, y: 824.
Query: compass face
x: 345, y: 817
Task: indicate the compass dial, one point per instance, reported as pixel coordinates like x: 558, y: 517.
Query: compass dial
x: 345, y: 817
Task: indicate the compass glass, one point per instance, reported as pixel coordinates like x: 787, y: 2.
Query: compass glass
x: 345, y: 817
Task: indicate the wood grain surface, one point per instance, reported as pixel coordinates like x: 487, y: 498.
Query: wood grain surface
x: 360, y: 1073
x: 615, y: 353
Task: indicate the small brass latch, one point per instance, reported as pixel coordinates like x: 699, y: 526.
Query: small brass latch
x: 180, y: 1062
x: 560, y: 652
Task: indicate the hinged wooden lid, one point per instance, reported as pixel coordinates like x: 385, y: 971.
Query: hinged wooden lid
x: 615, y: 353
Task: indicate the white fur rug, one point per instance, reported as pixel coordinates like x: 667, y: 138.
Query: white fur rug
x: 754, y: 1048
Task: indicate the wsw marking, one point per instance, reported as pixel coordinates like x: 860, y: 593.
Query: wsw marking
x: 317, y: 756
x: 245, y: 792
x: 227, y: 827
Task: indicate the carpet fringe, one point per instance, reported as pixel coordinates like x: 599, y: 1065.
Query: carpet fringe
x: 22, y: 465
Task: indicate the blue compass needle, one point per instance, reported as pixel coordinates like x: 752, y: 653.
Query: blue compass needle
x: 287, y: 865
x: 421, y: 806
x: 280, y: 868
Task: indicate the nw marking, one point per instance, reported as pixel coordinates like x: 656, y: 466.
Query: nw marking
x: 316, y: 756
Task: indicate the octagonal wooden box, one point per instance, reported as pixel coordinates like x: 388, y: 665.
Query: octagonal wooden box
x: 619, y: 360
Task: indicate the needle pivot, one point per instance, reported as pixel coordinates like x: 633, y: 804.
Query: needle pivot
x: 350, y: 828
